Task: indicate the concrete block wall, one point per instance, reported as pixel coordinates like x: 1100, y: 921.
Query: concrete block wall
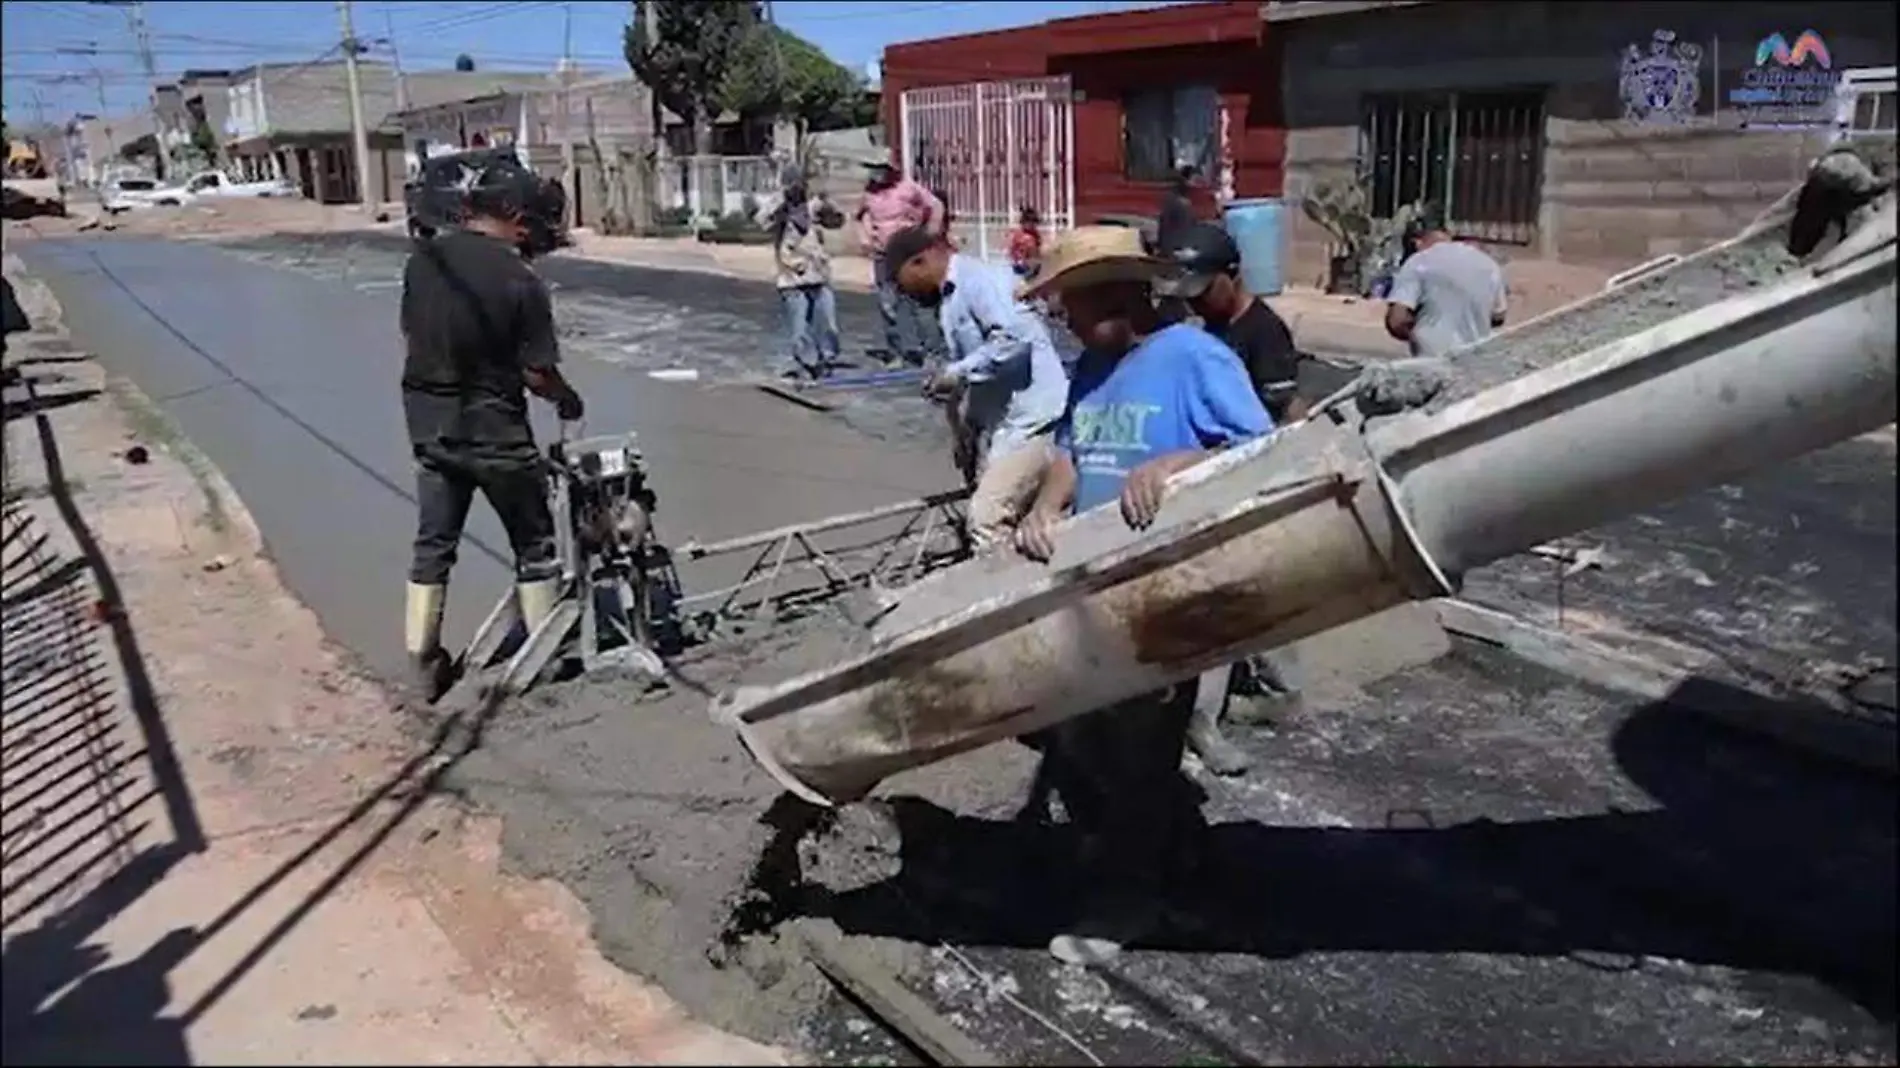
x: 1614, y: 193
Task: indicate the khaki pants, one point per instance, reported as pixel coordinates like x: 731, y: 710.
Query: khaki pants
x: 1006, y: 485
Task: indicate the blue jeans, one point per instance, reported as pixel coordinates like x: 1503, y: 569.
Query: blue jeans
x: 911, y: 332
x: 812, y: 314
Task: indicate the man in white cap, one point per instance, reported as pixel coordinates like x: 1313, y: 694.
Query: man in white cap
x: 892, y: 204
x: 1147, y: 400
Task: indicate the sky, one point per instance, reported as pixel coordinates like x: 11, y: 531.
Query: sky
x: 57, y: 55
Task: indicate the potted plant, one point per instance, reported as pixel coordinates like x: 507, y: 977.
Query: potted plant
x: 1365, y: 249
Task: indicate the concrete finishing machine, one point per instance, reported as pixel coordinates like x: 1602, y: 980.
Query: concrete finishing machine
x: 1682, y: 375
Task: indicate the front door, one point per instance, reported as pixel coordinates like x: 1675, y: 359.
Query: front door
x: 992, y: 149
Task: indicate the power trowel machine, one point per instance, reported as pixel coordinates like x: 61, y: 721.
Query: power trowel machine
x: 619, y: 590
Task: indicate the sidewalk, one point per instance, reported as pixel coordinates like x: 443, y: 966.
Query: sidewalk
x: 218, y: 847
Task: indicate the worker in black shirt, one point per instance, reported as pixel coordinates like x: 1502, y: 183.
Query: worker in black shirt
x: 1207, y: 266
x: 1206, y: 275
x: 479, y: 328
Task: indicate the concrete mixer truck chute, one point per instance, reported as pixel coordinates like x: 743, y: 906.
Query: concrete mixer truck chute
x: 1734, y: 359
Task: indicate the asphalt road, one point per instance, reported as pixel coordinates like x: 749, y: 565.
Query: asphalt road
x: 1474, y: 862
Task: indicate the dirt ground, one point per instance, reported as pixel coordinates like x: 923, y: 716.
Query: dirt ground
x: 218, y: 847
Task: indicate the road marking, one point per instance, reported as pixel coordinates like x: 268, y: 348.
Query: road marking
x: 387, y: 283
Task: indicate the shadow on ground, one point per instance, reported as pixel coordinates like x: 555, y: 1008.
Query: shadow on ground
x: 1749, y: 857
x: 86, y: 759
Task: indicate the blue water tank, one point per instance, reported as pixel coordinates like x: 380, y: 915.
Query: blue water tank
x: 1258, y: 227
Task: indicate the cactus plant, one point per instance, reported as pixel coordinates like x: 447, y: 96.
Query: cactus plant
x: 1364, y: 246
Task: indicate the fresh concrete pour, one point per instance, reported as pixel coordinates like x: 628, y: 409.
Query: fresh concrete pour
x: 685, y: 851
x: 730, y: 856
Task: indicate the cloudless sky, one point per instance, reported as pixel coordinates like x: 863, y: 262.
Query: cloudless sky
x: 37, y: 38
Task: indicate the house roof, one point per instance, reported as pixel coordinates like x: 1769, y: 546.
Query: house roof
x: 1294, y: 10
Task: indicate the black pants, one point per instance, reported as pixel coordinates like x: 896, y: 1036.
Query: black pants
x: 1118, y: 772
x: 514, y: 480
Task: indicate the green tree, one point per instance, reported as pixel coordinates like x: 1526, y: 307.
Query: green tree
x: 686, y: 62
x: 776, y: 73
x: 465, y: 62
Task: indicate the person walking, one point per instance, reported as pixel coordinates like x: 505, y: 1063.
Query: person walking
x: 893, y: 202
x: 803, y: 276
x: 1004, y: 383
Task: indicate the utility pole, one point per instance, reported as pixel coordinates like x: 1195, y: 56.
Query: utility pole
x: 395, y: 59
x: 779, y: 118
x: 567, y: 116
x: 357, y: 126
x: 143, y: 37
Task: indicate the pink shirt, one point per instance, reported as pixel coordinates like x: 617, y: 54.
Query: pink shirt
x: 904, y: 204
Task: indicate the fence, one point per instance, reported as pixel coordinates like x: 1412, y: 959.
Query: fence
x: 991, y: 149
x: 1476, y: 156
x: 717, y: 185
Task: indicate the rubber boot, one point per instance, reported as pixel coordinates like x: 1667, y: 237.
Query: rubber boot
x: 429, y: 667
x: 537, y: 600
x: 1205, y: 739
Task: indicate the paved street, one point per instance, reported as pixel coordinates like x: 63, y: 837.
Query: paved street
x: 295, y: 401
x: 1469, y: 861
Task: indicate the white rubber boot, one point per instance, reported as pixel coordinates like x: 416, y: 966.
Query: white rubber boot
x: 537, y: 601
x: 422, y: 639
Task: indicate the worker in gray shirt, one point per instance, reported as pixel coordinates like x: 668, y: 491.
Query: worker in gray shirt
x: 1446, y: 295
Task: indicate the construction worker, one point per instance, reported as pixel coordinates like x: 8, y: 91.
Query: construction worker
x: 479, y: 328
x: 796, y: 224
x: 1004, y: 381
x: 1206, y: 274
x: 1148, y: 400
x: 893, y: 202
x: 1446, y: 295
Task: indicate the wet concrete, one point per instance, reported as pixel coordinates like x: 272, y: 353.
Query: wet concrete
x: 1473, y: 862
x: 296, y: 402
x: 1467, y: 862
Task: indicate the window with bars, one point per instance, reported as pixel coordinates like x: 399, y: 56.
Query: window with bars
x: 1164, y: 130
x: 1867, y: 102
x: 1478, y: 157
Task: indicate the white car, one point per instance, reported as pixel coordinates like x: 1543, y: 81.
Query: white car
x: 210, y: 184
x: 129, y: 194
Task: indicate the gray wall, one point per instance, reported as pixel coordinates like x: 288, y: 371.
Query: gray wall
x: 1613, y: 192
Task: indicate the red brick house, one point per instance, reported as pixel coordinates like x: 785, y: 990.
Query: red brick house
x: 1512, y: 117
x: 1088, y: 117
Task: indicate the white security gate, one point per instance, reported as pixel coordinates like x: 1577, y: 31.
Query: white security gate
x: 992, y: 149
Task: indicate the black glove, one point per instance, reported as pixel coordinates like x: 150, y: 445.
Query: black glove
x: 570, y: 408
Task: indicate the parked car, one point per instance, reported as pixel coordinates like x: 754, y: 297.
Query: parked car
x: 207, y: 184
x: 130, y: 193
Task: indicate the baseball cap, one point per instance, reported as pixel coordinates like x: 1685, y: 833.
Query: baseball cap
x: 1194, y: 258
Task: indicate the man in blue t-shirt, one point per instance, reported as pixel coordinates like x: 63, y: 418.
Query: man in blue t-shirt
x: 1147, y: 400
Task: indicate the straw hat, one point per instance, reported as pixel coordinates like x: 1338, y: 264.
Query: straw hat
x: 1092, y: 256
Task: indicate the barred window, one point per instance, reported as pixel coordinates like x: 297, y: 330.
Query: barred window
x: 1164, y: 130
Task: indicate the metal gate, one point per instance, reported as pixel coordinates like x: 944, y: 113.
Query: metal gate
x: 991, y: 149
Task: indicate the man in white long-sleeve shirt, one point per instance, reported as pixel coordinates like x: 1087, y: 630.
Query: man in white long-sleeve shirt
x: 1003, y: 371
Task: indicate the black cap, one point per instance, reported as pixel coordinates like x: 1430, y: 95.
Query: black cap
x: 906, y: 245
x: 1196, y: 256
x: 1425, y: 221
